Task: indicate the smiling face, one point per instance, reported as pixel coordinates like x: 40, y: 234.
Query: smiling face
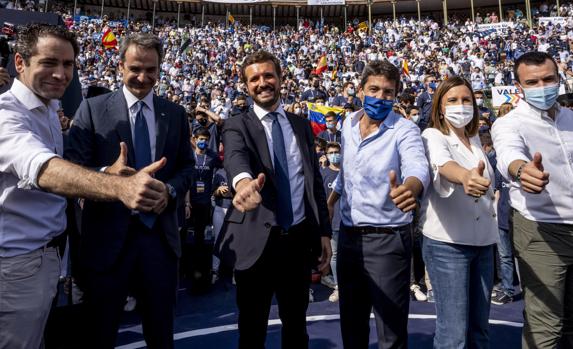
x: 140, y: 70
x: 49, y: 71
x: 263, y: 84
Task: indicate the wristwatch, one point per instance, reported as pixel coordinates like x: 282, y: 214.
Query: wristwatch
x: 171, y: 191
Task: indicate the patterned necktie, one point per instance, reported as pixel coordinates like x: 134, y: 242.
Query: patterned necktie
x: 142, y: 155
x: 284, y: 203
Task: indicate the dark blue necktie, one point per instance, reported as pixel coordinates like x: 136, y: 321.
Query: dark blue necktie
x: 284, y: 202
x: 142, y: 154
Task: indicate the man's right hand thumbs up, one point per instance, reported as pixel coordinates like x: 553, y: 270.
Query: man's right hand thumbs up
x: 533, y: 177
x: 120, y: 167
x: 248, y: 195
x: 141, y: 191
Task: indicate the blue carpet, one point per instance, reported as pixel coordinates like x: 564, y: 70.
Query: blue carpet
x: 209, y: 320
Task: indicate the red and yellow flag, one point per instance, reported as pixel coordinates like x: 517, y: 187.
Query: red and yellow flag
x: 405, y: 69
x: 231, y: 18
x: 321, y: 66
x: 108, y: 40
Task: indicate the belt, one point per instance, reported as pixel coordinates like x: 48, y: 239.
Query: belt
x: 368, y: 230
x: 282, y: 232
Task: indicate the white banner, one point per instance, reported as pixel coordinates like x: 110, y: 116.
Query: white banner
x: 236, y: 1
x: 553, y: 20
x: 501, y: 26
x: 504, y: 94
x: 326, y: 2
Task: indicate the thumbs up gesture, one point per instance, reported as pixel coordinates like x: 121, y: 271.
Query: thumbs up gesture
x: 144, y: 193
x: 475, y: 184
x: 533, y: 177
x: 120, y: 167
x: 402, y: 195
x: 248, y: 195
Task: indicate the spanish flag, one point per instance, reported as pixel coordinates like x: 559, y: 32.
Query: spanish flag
x: 405, y: 69
x: 231, y: 18
x: 321, y: 66
x: 317, y: 114
x: 108, y: 40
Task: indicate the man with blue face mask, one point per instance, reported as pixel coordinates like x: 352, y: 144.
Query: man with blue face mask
x: 331, y: 134
x: 383, y: 172
x: 534, y: 146
x: 424, y: 100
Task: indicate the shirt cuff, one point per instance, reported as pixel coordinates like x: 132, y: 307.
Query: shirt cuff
x: 503, y: 163
x: 240, y: 176
x: 36, y: 166
x: 442, y: 186
x: 103, y: 169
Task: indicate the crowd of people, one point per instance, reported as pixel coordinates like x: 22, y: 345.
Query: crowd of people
x: 459, y: 190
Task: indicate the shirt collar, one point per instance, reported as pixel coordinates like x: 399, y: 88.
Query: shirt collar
x: 131, y: 99
x: 389, y: 122
x: 261, y: 113
x: 29, y: 99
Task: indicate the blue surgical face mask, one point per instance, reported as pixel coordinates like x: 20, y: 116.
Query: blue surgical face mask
x: 334, y: 158
x: 483, y: 129
x: 202, y: 144
x: 432, y: 85
x: 331, y: 125
x: 377, y: 109
x: 541, y: 97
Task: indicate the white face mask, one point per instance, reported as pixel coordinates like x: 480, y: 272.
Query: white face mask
x: 415, y: 118
x: 459, y: 115
x: 479, y: 102
x: 297, y: 111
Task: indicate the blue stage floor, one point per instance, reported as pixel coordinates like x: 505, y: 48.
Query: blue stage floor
x: 210, y: 321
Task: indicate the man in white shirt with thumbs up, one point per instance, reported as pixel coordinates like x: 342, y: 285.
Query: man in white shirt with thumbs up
x: 534, y: 145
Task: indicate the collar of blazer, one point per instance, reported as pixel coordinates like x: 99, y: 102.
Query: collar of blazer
x: 255, y: 127
x: 117, y: 108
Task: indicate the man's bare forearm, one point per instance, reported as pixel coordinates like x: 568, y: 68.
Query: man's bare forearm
x: 62, y: 177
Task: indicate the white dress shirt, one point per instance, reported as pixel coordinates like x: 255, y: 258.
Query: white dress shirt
x: 518, y: 136
x: 148, y: 113
x: 30, y: 135
x: 294, y: 158
x: 448, y: 214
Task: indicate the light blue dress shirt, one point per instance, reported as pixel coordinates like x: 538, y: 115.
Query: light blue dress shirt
x: 363, y: 182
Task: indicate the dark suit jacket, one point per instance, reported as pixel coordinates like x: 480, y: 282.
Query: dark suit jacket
x: 100, y: 124
x: 244, y: 235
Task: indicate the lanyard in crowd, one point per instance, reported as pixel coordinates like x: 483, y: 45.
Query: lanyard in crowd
x: 201, y: 170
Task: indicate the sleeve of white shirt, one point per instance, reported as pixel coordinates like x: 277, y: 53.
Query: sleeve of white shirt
x: 438, y: 153
x: 508, y: 144
x: 240, y: 176
x: 22, y: 152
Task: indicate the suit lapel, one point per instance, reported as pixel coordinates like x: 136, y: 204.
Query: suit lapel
x: 161, y: 125
x: 117, y: 108
x: 257, y: 131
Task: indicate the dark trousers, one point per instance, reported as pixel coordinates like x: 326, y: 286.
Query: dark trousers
x: 374, y: 272
x: 147, y: 269
x: 201, y: 218
x: 283, y: 269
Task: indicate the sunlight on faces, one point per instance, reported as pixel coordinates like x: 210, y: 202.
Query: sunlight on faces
x: 458, y: 95
x: 140, y: 70
x: 49, y: 70
x: 537, y: 75
x: 263, y: 84
x: 380, y: 87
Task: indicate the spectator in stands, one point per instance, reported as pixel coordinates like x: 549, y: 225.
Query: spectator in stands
x: 331, y: 134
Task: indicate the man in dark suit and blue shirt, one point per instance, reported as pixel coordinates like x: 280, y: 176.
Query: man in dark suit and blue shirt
x: 273, y: 228
x: 384, y: 169
x: 123, y: 250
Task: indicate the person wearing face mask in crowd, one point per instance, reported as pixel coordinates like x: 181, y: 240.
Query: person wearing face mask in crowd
x: 413, y: 114
x: 482, y: 109
x: 331, y: 134
x: 205, y: 118
x: 348, y: 96
x: 424, y: 100
x: 329, y: 175
x: 458, y: 219
x: 383, y: 172
x: 240, y: 106
x: 534, y: 146
x: 484, y: 125
x: 315, y: 92
x: 206, y: 162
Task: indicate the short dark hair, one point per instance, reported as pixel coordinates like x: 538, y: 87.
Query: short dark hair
x: 330, y: 114
x: 260, y: 57
x: 145, y: 40
x: 332, y: 145
x: 28, y: 36
x: 202, y: 131
x: 381, y: 68
x: 533, y: 58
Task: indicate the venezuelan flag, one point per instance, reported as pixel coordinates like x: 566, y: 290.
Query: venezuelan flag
x: 108, y: 40
x: 316, y: 116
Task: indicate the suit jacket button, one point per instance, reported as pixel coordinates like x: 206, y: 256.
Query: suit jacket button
x: 267, y: 225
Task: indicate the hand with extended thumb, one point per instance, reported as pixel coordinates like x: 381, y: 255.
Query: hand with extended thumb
x: 141, y: 191
x: 474, y: 182
x: 119, y: 167
x: 402, y: 196
x: 533, y: 176
x: 248, y: 195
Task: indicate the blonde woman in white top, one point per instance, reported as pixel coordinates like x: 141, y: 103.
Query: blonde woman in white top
x: 458, y: 219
